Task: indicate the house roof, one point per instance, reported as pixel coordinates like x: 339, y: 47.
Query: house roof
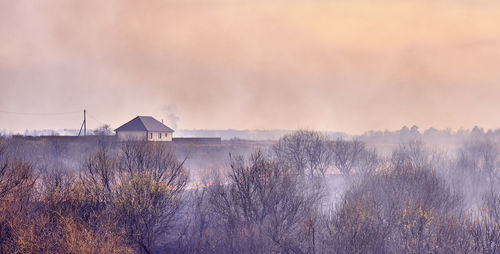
x: 144, y: 123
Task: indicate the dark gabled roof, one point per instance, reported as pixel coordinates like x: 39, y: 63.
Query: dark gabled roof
x: 144, y: 123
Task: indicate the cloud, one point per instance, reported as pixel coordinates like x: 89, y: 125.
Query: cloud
x: 332, y: 65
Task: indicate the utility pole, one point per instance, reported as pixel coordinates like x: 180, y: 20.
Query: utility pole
x: 84, y: 124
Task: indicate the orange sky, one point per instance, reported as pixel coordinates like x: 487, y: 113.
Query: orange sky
x: 331, y: 65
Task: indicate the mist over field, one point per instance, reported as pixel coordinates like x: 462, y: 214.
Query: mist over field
x: 328, y: 126
x: 382, y: 192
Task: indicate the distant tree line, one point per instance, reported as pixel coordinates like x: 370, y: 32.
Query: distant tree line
x: 429, y: 136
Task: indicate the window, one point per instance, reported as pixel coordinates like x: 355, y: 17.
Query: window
x: 151, y: 135
x: 159, y: 135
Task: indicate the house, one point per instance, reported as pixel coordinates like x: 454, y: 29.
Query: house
x: 144, y: 128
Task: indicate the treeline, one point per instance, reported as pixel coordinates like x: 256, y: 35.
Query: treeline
x: 135, y: 200
x: 429, y: 136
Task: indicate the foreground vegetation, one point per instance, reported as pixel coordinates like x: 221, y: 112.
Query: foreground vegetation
x: 134, y: 200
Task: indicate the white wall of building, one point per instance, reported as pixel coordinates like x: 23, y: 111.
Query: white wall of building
x: 159, y: 136
x: 141, y: 135
x: 131, y: 135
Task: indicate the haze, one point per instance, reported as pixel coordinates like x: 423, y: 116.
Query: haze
x: 328, y: 65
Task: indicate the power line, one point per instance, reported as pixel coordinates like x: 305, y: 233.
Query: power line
x: 39, y: 114
x: 97, y: 120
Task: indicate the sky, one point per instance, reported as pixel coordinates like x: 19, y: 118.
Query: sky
x: 336, y: 65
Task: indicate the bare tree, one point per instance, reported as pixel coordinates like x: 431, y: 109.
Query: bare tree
x: 305, y: 151
x: 140, y: 188
x: 263, y: 207
x: 17, y: 180
x: 15, y: 174
x: 346, y: 154
x: 411, y: 155
x: 198, y: 234
x: 369, y: 161
x: 482, y: 158
x: 482, y: 226
x: 104, y: 130
x: 403, y: 210
x: 60, y: 219
x: 100, y: 169
x: 149, y: 195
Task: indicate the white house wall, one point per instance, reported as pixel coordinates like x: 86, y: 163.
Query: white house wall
x: 155, y: 136
x: 131, y: 135
x: 141, y: 135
